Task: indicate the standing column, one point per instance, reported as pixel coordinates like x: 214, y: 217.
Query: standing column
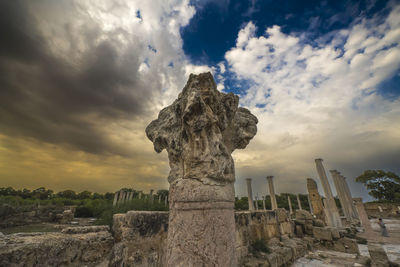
x: 333, y: 214
x: 263, y: 199
x: 298, y: 202
x: 341, y: 194
x: 151, y: 196
x: 115, y: 198
x: 352, y: 208
x: 363, y: 215
x: 250, y: 194
x: 256, y: 202
x: 309, y: 204
x: 272, y: 192
x: 140, y: 195
x: 290, y: 205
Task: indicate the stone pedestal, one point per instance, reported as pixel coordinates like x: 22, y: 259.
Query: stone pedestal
x: 270, y: 181
x: 332, y: 213
x: 249, y: 194
x: 200, y: 130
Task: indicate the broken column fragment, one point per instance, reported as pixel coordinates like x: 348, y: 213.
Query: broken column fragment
x: 315, y: 199
x: 200, y: 130
x: 331, y: 211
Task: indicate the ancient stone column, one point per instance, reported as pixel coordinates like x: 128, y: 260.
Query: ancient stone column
x: 274, y: 205
x: 256, y: 201
x: 250, y: 194
x: 352, y: 208
x: 151, y: 196
x: 115, y: 198
x: 159, y: 199
x: 290, y: 205
x: 263, y: 199
x: 299, y: 202
x: 166, y: 201
x: 315, y: 199
x: 200, y: 130
x: 140, y: 195
x: 362, y: 214
x: 341, y: 194
x: 309, y: 204
x: 332, y: 211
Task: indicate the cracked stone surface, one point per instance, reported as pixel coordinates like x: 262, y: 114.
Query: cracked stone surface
x: 200, y: 130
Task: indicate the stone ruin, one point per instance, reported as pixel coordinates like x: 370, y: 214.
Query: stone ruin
x: 200, y: 130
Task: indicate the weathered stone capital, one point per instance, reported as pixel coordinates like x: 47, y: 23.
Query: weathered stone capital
x: 200, y: 130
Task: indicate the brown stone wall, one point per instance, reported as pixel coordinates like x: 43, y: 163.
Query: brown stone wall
x: 141, y: 236
x: 389, y: 210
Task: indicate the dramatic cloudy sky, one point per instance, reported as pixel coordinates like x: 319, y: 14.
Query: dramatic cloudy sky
x: 80, y: 80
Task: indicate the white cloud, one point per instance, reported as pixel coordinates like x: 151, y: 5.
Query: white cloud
x: 318, y: 101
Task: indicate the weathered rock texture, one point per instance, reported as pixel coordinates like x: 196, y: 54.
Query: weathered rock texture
x: 200, y: 130
x: 92, y: 248
x: 16, y: 216
x: 141, y: 236
x: 315, y: 198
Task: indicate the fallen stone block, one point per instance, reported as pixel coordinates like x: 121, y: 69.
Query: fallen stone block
x: 322, y: 233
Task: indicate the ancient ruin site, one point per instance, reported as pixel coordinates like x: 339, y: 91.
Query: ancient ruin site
x: 209, y: 133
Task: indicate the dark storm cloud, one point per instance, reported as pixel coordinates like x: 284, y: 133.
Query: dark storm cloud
x: 45, y: 96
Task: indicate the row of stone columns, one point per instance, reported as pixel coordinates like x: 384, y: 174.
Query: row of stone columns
x: 274, y: 204
x: 331, y: 211
x: 123, y: 196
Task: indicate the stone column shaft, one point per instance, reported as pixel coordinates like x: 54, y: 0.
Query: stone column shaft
x: 352, y: 207
x: 250, y: 194
x: 274, y: 204
x: 299, y: 202
x: 333, y: 214
x: 263, y: 199
x: 309, y: 204
x: 290, y: 205
x: 256, y: 203
x: 115, y: 198
x: 363, y: 215
x: 341, y: 194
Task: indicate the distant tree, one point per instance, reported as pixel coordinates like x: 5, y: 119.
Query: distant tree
x: 69, y: 194
x: 42, y: 193
x: 109, y: 196
x: 85, y: 195
x: 97, y: 196
x: 381, y: 185
x: 241, y: 204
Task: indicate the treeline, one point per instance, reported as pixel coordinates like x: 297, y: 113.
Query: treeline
x: 42, y: 193
x: 87, y: 204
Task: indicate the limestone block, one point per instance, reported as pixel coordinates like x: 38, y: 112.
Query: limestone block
x: 378, y: 255
x: 322, y: 233
x: 335, y: 233
x: 346, y: 245
x: 286, y: 228
x: 308, y: 229
x: 282, y: 215
x: 299, y: 231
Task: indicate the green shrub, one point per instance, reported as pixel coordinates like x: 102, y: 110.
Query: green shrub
x: 260, y: 245
x: 83, y: 212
